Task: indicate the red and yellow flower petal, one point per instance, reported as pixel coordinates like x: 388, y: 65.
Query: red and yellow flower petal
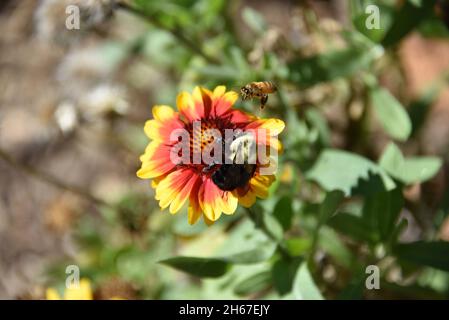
x: 155, y: 181
x: 258, y: 187
x: 207, y: 221
x: 266, y: 132
x: 165, y: 121
x: 175, y: 189
x: 185, y: 105
x: 229, y: 202
x: 155, y: 161
x: 194, y: 211
x: 202, y: 101
x: 193, y: 214
x: 208, y: 199
x: 214, y: 201
x: 275, y: 143
x: 248, y: 199
x: 218, y: 92
x: 196, y: 106
x: 222, y: 100
x: 273, y: 127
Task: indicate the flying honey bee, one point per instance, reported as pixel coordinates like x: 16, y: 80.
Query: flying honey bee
x: 259, y: 90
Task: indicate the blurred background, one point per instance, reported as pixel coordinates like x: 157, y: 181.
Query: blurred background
x: 73, y: 104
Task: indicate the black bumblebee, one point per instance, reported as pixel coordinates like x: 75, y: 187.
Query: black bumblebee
x: 231, y: 176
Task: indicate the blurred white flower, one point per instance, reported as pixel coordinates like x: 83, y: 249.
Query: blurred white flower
x: 66, y: 117
x: 103, y: 100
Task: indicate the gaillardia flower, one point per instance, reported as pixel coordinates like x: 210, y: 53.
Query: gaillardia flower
x: 209, y: 154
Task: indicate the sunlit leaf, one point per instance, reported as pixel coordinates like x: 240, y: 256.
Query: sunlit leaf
x: 319, y: 122
x: 330, y: 242
x: 254, y: 20
x: 408, y: 170
x: 298, y: 246
x: 304, y: 287
x: 391, y: 114
x: 363, y: 16
x: 341, y: 170
x: 254, y: 283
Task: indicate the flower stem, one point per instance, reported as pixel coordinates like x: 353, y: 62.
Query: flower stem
x: 175, y: 32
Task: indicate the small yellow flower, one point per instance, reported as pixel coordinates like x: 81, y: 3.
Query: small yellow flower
x: 82, y: 292
x: 201, y: 115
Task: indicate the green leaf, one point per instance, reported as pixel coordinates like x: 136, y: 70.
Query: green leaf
x: 341, y: 170
x: 408, y: 170
x: 260, y: 254
x: 330, y: 242
x: 254, y: 20
x: 319, y: 122
x: 330, y: 66
x: 391, y: 114
x: 283, y: 212
x: 403, y: 24
x: 377, y: 221
x: 381, y: 212
x: 352, y: 226
x: 199, y: 267
x: 304, y: 287
x: 432, y: 254
x: 355, y: 288
x: 330, y: 205
x: 385, y: 20
x: 433, y: 28
x: 283, y: 273
x: 298, y: 246
x: 266, y: 221
x: 254, y: 283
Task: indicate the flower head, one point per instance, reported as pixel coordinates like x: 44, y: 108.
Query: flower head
x: 209, y: 154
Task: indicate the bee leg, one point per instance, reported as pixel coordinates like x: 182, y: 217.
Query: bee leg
x: 263, y: 101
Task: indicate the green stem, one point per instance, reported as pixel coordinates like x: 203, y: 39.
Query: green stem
x: 314, y: 245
